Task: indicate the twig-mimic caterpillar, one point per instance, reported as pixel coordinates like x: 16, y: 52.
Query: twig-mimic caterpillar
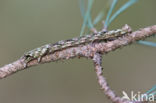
x: 38, y: 53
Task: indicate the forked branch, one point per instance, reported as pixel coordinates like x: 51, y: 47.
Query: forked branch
x: 91, y: 50
x: 87, y: 51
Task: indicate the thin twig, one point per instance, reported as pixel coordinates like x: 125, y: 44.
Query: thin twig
x: 87, y: 50
x: 97, y: 60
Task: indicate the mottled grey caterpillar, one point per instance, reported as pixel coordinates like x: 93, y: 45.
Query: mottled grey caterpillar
x: 38, y: 53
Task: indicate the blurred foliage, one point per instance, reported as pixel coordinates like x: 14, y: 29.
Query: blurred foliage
x: 87, y: 17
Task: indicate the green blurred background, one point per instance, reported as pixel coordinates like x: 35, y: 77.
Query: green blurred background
x: 27, y: 24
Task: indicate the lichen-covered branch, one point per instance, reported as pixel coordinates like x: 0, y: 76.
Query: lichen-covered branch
x: 87, y: 51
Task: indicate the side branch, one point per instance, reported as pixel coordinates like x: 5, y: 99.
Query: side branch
x: 87, y: 50
x: 97, y: 60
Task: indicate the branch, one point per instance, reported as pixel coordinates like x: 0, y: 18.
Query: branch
x: 97, y: 60
x: 87, y: 51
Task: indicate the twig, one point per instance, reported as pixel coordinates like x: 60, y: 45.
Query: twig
x: 87, y: 50
x: 97, y: 60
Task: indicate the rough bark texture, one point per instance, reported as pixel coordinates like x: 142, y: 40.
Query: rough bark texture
x: 81, y: 51
x: 92, y: 51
